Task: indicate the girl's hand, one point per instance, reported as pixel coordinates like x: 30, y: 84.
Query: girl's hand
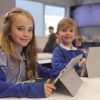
x: 82, y: 63
x: 48, y: 87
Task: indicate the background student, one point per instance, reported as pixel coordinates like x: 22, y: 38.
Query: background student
x: 51, y: 29
x: 78, y: 42
x: 18, y: 58
x: 51, y: 43
x: 65, y: 51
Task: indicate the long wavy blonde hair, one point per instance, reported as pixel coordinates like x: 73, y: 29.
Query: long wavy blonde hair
x: 8, y: 46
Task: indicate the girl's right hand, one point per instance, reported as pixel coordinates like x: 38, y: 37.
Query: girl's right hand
x: 48, y: 87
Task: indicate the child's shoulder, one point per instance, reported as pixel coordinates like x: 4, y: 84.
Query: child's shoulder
x: 3, y: 58
x: 59, y: 49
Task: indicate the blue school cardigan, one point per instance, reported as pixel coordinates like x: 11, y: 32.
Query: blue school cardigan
x: 13, y: 89
x: 61, y: 57
x: 29, y: 90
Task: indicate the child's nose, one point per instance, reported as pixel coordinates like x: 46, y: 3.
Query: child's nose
x: 26, y: 32
x: 67, y: 32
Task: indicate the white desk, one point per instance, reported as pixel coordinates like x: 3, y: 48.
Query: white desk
x: 44, y: 58
x: 44, y: 61
x: 90, y: 90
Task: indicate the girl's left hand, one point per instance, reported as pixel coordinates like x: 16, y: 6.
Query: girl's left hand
x: 48, y: 87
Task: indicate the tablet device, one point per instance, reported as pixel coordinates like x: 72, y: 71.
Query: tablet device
x: 69, y: 78
x: 92, y: 68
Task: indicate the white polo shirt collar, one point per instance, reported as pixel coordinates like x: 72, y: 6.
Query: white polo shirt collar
x: 67, y: 48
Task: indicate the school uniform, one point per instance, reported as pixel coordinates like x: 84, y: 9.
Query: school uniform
x: 49, y: 49
x: 11, y: 78
x: 62, y: 56
x: 49, y: 45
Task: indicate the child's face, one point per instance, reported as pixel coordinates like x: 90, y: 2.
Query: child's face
x: 67, y: 36
x: 22, y: 30
x: 51, y: 30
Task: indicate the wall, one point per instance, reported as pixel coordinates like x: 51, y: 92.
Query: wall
x: 60, y: 2
x: 5, y: 6
x: 41, y: 42
x: 90, y: 1
x: 78, y: 2
x: 69, y: 2
x: 93, y: 32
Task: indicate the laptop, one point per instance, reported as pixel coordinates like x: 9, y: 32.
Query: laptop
x: 69, y: 78
x: 92, y: 68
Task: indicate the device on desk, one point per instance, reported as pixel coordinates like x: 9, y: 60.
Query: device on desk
x: 69, y: 77
x: 92, y: 68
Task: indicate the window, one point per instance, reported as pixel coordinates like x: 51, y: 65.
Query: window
x: 52, y: 16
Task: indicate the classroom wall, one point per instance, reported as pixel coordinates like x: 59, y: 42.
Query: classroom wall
x: 93, y: 32
x: 78, y: 2
x: 90, y: 1
x: 60, y: 2
x: 69, y: 2
x: 41, y: 42
x: 5, y: 6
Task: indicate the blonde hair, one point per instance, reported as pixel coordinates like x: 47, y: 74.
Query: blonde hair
x: 66, y: 23
x: 8, y: 45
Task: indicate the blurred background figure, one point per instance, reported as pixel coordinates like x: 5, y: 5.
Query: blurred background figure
x: 51, y: 29
x: 51, y: 43
x: 78, y: 42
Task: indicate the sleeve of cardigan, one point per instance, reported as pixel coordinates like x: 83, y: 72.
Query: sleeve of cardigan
x: 29, y: 90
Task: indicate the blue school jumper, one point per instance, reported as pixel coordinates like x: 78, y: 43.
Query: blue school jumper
x: 61, y: 57
x: 11, y: 80
x: 49, y: 48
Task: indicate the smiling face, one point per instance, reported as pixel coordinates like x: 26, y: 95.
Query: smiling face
x: 22, y: 30
x: 67, y: 36
x: 66, y: 31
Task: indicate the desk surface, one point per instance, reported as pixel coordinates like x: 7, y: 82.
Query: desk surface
x: 44, y: 58
x: 90, y: 90
x: 44, y: 61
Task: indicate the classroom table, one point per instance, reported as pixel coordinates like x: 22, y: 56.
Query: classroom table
x: 44, y: 58
x: 90, y: 90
